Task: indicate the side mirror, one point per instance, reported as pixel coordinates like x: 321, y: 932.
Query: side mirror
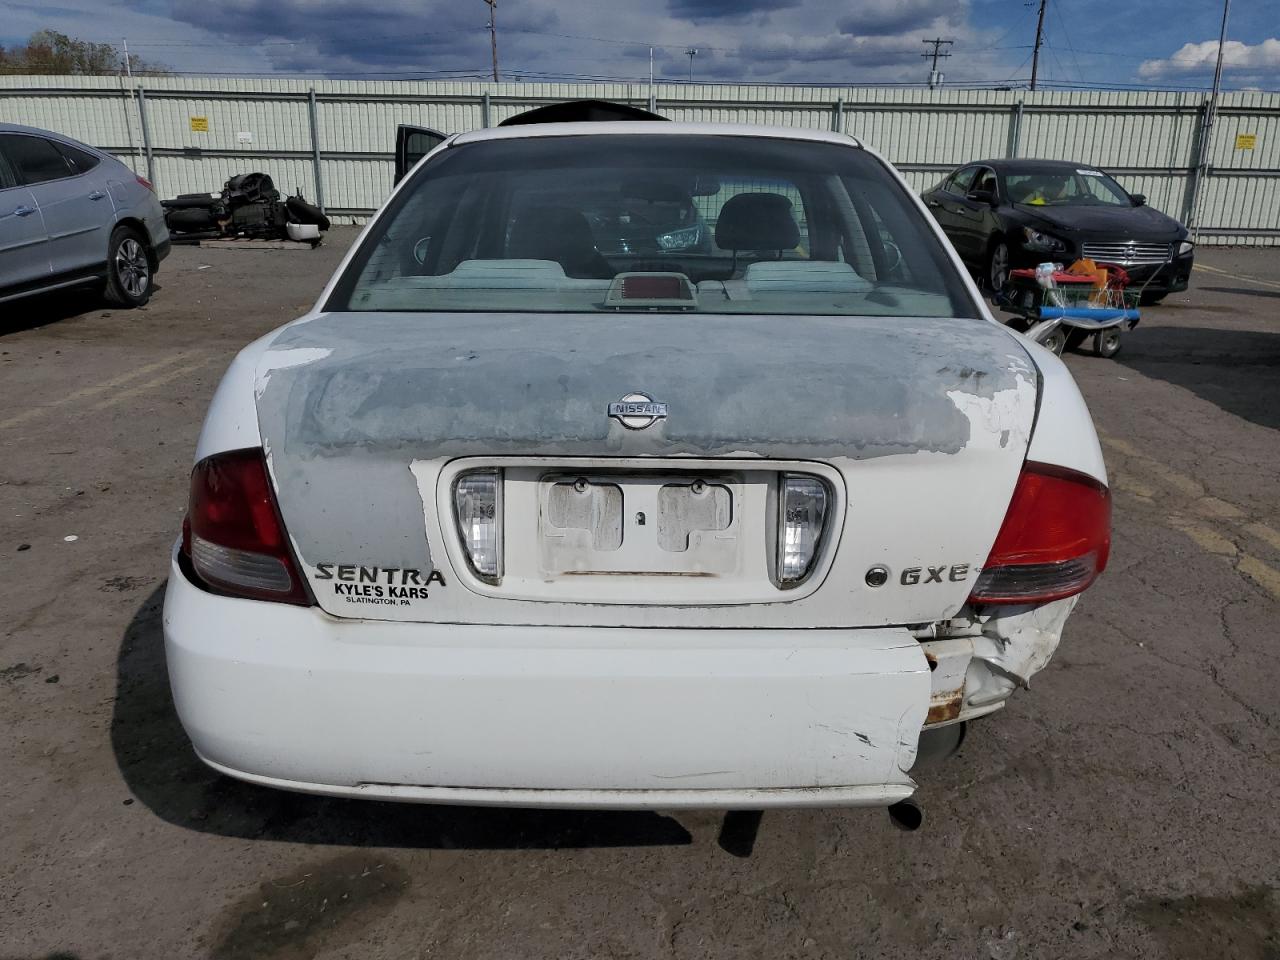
x: 981, y: 196
x: 1139, y: 199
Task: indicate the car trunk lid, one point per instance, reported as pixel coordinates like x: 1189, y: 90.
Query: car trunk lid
x: 366, y: 418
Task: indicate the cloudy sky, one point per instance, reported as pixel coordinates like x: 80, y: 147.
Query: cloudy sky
x: 1148, y: 42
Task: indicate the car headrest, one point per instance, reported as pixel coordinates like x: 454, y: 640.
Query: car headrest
x: 757, y: 221
x: 560, y: 234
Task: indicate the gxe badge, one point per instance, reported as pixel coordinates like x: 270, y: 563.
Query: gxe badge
x: 636, y: 411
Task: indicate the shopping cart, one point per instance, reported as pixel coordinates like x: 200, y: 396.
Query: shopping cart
x: 1062, y: 309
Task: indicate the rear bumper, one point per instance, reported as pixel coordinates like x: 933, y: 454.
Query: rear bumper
x: 867, y: 795
x: 152, y: 215
x: 535, y: 716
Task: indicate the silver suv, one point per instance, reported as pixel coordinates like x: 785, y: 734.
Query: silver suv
x: 71, y: 215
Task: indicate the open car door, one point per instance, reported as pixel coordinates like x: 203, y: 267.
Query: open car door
x: 412, y: 144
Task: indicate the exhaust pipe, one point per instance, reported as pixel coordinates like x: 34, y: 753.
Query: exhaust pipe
x: 906, y: 815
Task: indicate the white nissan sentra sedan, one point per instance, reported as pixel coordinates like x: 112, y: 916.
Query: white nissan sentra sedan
x: 630, y: 464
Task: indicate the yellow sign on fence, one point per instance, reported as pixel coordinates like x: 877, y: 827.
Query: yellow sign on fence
x: 200, y: 124
x: 1246, y: 141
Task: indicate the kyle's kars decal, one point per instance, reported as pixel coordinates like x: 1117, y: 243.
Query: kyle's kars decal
x: 387, y: 585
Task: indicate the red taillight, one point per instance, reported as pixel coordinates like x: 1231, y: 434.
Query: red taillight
x: 233, y: 533
x: 146, y: 183
x: 1054, y: 541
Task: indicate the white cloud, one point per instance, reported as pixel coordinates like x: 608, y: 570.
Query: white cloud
x: 1198, y: 58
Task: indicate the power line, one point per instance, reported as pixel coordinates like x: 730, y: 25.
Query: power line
x: 1062, y: 22
x: 1017, y: 25
x: 1018, y: 69
x: 1053, y: 52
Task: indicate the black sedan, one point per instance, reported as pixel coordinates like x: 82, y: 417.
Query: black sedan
x: 1004, y: 214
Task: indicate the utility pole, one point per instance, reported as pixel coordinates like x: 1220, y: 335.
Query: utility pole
x: 1035, y: 56
x: 493, y: 34
x: 1206, y: 131
x: 124, y: 101
x: 935, y: 78
x: 1222, y: 42
x: 691, y: 53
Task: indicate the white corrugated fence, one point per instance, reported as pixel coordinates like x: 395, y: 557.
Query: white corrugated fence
x: 333, y: 139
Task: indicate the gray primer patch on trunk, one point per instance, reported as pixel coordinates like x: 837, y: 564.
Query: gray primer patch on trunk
x: 343, y: 428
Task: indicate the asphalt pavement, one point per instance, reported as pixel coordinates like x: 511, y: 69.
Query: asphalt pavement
x: 1125, y: 806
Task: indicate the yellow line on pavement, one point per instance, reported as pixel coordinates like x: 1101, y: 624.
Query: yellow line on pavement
x: 1263, y: 574
x: 1211, y: 510
x: 1219, y: 508
x: 1209, y: 540
x: 149, y: 385
x: 1131, y: 484
x: 1266, y: 534
x: 86, y: 392
x: 1206, y: 538
x: 1238, y: 276
x: 1179, y: 481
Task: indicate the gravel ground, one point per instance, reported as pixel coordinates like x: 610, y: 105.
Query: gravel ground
x: 1124, y: 807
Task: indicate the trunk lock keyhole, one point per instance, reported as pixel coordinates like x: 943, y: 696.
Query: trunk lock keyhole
x: 640, y: 518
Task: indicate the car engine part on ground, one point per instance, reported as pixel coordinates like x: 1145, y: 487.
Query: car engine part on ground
x: 249, y: 207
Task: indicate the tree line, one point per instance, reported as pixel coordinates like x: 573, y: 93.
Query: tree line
x: 49, y: 52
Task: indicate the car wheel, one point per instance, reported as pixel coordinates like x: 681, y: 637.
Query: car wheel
x: 998, y: 267
x: 1056, y: 341
x: 1106, y: 343
x: 128, y: 269
x: 1151, y: 299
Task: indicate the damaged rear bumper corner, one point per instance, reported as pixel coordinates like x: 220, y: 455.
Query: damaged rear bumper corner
x: 976, y: 662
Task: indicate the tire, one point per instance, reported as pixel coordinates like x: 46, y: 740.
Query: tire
x: 1151, y: 299
x: 1106, y: 343
x: 303, y: 212
x: 202, y: 202
x: 1056, y: 341
x: 129, y: 272
x: 997, y: 267
x: 190, y: 219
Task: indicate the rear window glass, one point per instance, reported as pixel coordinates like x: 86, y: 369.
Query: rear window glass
x: 35, y: 158
x: 82, y: 161
x: 727, y: 225
x: 8, y: 178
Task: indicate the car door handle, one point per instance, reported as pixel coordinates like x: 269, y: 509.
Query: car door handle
x: 97, y: 195
x: 24, y: 211
x: 932, y: 203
